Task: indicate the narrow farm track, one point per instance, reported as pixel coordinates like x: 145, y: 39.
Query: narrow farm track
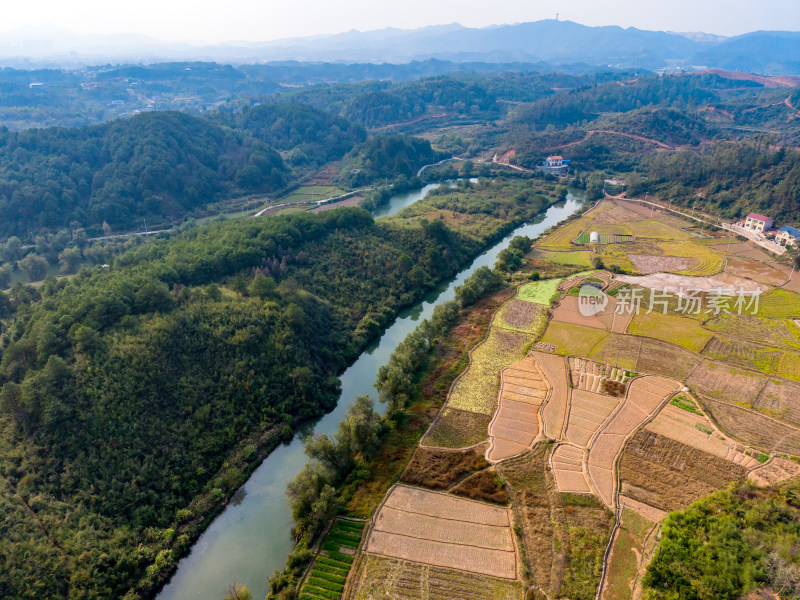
x: 788, y: 102
x: 593, y: 132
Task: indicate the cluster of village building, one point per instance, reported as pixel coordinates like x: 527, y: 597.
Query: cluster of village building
x: 786, y: 236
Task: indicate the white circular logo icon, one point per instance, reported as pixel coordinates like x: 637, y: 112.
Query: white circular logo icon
x: 591, y: 301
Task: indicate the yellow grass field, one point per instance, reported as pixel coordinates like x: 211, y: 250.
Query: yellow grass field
x: 670, y: 328
x: 573, y: 339
x: 477, y: 389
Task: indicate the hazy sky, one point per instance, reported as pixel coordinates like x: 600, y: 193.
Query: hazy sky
x: 221, y: 20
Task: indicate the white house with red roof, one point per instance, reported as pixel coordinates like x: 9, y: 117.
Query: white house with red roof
x: 759, y: 223
x: 555, y: 165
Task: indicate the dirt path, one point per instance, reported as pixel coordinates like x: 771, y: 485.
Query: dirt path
x: 788, y: 102
x: 592, y: 132
x: 418, y: 120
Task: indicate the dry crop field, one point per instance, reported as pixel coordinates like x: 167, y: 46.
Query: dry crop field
x: 656, y: 263
x: 554, y: 413
x: 753, y: 428
x: 517, y: 423
x: 381, y: 578
x: 563, y: 536
x: 669, y: 475
x: 444, y: 531
x: 753, y: 269
x: 587, y: 412
x: 690, y: 426
x: 645, y: 396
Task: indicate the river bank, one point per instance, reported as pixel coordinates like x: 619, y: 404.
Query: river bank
x: 251, y: 538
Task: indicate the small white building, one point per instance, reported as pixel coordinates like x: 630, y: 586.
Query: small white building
x: 756, y: 222
x: 554, y: 165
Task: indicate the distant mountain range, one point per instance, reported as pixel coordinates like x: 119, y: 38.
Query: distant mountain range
x: 552, y: 42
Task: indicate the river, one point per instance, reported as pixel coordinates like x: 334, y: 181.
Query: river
x: 251, y: 538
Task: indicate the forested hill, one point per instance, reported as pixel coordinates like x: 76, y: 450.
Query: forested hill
x: 153, y: 164
x: 310, y: 136
x: 157, y: 165
x: 134, y: 399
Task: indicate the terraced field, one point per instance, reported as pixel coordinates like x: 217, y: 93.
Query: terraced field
x: 444, y: 531
x: 707, y: 261
x: 381, y: 578
x: 562, y: 237
x: 739, y: 353
x: 517, y: 423
x: 587, y: 412
x: 645, y: 396
x: 554, y: 413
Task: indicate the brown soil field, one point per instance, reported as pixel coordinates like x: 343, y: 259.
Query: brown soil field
x: 444, y: 506
x: 753, y: 269
x: 391, y: 520
x: 564, y: 535
x: 647, y: 264
x: 496, y: 563
x: 517, y: 423
x: 456, y: 428
x: 444, y: 531
x: 587, y: 412
x: 662, y: 358
x: 744, y: 250
x: 567, y: 311
x: 486, y: 486
x: 782, y: 399
x: 729, y: 384
x: 649, y: 512
x: 381, y: 578
x: 777, y: 470
x: 794, y: 283
x: 439, y: 469
x: 669, y: 475
x: 673, y: 284
x: 753, y: 428
x: 554, y: 413
x: 645, y: 396
x: 567, y: 464
x: 690, y: 429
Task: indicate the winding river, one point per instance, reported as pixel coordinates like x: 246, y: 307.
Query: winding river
x: 251, y: 537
